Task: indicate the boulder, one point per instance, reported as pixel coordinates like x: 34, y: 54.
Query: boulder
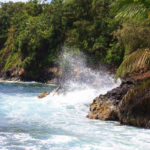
x: 44, y: 94
x: 105, y: 107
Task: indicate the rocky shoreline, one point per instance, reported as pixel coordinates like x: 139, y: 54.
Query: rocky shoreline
x: 129, y: 103
x: 49, y: 75
x: 104, y: 107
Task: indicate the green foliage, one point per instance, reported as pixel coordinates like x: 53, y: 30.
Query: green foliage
x: 32, y: 34
x: 12, y: 61
x: 139, y: 59
x: 91, y: 28
x: 132, y: 9
x: 115, y: 54
x: 134, y: 35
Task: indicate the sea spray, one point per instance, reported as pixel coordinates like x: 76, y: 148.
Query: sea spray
x: 76, y: 74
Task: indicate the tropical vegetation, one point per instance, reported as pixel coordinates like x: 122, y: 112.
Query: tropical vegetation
x: 33, y: 34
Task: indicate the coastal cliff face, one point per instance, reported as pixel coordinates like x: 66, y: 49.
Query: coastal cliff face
x: 134, y: 108
x: 128, y: 104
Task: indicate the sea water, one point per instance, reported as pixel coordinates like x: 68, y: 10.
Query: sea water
x: 58, y: 122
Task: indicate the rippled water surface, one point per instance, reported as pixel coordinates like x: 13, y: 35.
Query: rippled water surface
x: 58, y: 122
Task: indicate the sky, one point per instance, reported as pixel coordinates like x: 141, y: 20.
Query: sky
x: 13, y: 0
x: 16, y: 0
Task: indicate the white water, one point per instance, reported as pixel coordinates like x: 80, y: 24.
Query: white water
x: 58, y: 122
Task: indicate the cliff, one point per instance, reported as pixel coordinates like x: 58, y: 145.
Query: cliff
x: 128, y: 103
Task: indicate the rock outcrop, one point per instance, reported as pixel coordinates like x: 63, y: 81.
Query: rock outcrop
x: 105, y: 107
x: 129, y: 104
x: 45, y: 75
x: 134, y: 108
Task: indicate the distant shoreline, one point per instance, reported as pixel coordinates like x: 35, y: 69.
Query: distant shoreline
x: 20, y: 81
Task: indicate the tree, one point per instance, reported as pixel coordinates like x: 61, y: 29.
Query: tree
x: 132, y: 9
x: 134, y: 35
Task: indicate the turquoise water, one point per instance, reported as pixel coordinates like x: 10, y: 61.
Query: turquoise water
x: 58, y: 122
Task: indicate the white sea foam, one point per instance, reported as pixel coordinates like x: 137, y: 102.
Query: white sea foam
x: 58, y: 121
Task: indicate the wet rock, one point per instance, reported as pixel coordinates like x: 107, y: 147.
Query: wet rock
x: 105, y: 107
x: 129, y: 104
x: 44, y: 94
x: 134, y: 108
x: 47, y: 74
x: 53, y: 92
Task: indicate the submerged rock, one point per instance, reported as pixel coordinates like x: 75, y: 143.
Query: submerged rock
x: 44, y: 94
x: 55, y: 91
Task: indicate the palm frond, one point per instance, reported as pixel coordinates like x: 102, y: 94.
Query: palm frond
x: 128, y: 9
x: 137, y: 60
x: 132, y: 11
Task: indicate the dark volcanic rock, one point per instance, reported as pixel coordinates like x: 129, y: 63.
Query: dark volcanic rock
x: 134, y: 108
x: 129, y: 104
x: 117, y: 94
x: 105, y: 107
